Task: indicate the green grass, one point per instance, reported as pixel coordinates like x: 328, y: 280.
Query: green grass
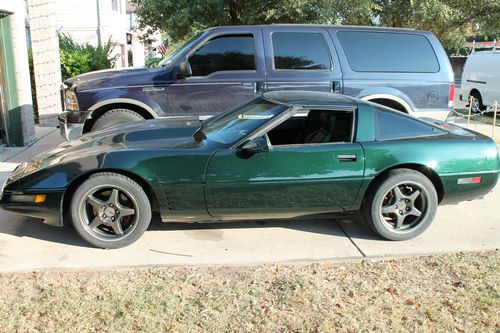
x: 456, y: 292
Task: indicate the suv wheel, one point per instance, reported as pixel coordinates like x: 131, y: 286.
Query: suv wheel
x: 114, y: 117
x: 477, y: 104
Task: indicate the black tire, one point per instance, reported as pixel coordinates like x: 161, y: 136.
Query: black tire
x: 391, y: 208
x: 477, y: 105
x: 106, y: 204
x: 115, y: 117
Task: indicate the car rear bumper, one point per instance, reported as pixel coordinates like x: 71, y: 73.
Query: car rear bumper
x: 71, y: 123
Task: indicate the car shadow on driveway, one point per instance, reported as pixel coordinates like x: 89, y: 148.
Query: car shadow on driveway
x: 318, y: 225
x: 20, y: 226
x: 35, y: 228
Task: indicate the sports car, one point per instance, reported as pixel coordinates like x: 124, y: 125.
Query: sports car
x: 280, y: 155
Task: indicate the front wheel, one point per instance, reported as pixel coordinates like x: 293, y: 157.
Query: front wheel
x: 115, y: 117
x: 402, y: 205
x: 110, y: 210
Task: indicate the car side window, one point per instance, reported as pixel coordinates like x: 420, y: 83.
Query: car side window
x: 318, y: 126
x: 224, y: 53
x: 300, y: 51
x: 392, y: 125
x: 369, y: 51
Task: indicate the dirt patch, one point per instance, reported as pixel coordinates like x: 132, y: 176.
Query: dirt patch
x: 458, y: 292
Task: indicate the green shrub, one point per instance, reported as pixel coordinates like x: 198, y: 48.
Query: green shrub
x: 77, y: 59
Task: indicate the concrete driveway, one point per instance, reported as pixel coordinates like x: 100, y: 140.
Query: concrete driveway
x: 27, y: 244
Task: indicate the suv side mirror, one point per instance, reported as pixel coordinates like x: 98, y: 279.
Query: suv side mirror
x: 184, y: 70
x: 254, y: 146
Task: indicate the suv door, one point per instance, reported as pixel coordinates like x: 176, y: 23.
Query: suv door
x: 301, y: 58
x: 226, y: 70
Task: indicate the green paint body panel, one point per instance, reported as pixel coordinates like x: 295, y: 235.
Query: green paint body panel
x: 288, y: 180
x: 202, y: 180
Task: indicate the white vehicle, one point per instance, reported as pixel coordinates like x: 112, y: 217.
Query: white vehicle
x: 481, y: 78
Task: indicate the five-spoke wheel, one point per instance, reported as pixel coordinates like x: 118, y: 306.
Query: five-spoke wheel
x: 110, y: 210
x: 402, y: 206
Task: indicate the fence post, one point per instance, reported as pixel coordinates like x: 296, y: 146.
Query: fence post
x: 494, y: 120
x: 471, y: 100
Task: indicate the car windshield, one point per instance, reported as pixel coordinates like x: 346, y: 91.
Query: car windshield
x: 241, y: 121
x: 180, y: 50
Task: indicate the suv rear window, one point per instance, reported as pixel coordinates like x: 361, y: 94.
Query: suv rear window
x: 300, y: 50
x: 388, y: 52
x: 392, y: 125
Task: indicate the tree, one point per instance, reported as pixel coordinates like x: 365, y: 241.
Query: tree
x: 181, y: 18
x: 452, y: 21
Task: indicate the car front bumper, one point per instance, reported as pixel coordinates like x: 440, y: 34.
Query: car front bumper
x: 50, y: 210
x: 71, y: 123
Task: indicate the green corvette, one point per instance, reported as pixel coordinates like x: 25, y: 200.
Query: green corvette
x: 280, y: 155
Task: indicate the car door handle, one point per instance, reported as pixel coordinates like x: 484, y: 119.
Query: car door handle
x: 346, y: 157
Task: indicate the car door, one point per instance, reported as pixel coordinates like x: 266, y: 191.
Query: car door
x: 287, y: 181
x: 227, y: 67
x: 301, y: 58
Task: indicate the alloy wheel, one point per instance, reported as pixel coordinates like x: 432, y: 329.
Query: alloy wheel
x: 109, y: 212
x: 404, y: 206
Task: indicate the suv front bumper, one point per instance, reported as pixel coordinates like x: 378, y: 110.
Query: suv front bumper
x: 71, y: 123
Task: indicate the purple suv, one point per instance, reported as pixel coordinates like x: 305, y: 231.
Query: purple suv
x: 218, y: 68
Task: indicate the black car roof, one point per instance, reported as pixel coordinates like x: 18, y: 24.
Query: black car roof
x: 310, y: 99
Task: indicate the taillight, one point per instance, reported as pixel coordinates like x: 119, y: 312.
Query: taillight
x: 452, y: 95
x: 471, y: 180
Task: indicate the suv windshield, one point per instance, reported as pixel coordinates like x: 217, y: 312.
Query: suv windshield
x: 236, y: 124
x: 173, y: 56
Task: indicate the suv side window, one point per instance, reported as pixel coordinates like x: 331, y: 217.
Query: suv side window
x: 300, y: 51
x: 392, y: 125
x: 224, y: 53
x: 368, y: 51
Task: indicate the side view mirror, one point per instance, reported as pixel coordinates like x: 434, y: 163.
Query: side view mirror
x: 254, y: 146
x: 184, y: 70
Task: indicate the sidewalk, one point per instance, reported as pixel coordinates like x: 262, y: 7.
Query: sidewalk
x: 46, y: 138
x: 476, y: 126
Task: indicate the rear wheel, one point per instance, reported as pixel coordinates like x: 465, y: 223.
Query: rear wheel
x: 477, y: 103
x: 110, y: 210
x: 402, y: 205
x: 115, y: 117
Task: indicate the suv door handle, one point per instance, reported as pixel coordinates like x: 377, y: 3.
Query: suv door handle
x: 347, y: 157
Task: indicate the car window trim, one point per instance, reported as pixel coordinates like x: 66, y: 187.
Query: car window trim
x: 285, y: 116
x: 321, y: 33
x: 394, y: 33
x: 353, y: 126
x: 260, y: 131
x: 208, y: 39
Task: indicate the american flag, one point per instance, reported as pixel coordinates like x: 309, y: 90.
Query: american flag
x: 162, y: 48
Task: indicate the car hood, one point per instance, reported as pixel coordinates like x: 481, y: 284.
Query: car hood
x: 110, y: 78
x: 146, y: 135
x: 167, y: 133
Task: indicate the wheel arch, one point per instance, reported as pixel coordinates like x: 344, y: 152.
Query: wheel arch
x: 423, y: 169
x: 389, y: 100
x: 73, y: 185
x: 100, y: 108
